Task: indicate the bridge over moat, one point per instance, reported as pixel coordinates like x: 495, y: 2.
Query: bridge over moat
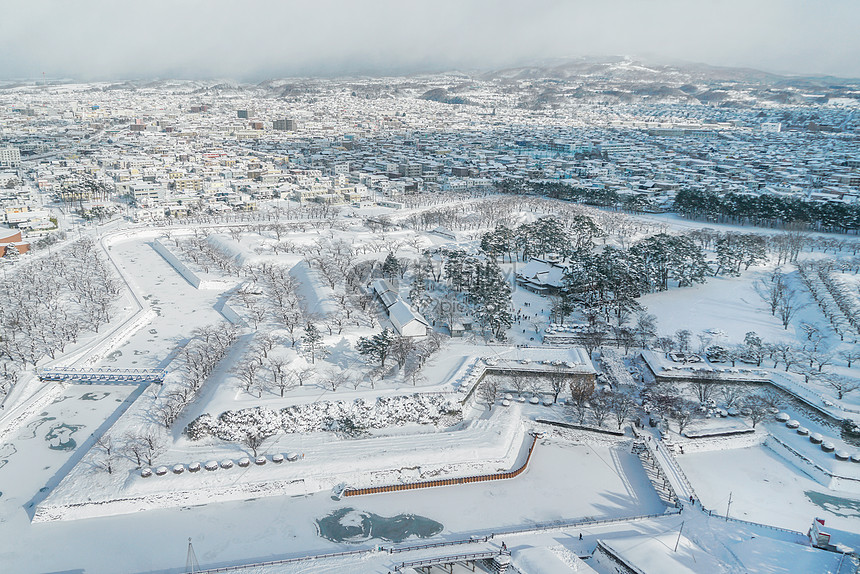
x: 103, y: 376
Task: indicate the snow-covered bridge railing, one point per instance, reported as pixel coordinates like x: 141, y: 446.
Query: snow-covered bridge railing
x: 742, y: 521
x: 103, y: 375
x: 308, y: 558
x: 414, y: 547
x: 445, y: 560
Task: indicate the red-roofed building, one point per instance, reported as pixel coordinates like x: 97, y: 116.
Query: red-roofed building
x: 9, y: 236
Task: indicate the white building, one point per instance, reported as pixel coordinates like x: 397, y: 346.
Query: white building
x: 406, y: 321
x: 10, y: 157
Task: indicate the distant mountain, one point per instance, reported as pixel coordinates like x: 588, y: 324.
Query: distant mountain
x: 626, y: 69
x: 622, y: 79
x: 620, y: 68
x: 443, y: 96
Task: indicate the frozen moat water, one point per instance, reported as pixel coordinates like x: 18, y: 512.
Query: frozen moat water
x: 350, y: 525
x: 93, y: 396
x: 60, y: 437
x: 839, y: 506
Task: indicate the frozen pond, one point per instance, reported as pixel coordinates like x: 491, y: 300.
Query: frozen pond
x: 350, y: 525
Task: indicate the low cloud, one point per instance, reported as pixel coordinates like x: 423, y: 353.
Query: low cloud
x: 251, y: 40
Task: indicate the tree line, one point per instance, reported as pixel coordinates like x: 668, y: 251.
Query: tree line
x: 768, y: 210
x: 49, y: 302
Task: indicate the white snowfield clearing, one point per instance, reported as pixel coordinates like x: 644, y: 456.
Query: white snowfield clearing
x: 656, y: 554
x: 564, y: 481
x: 482, y: 446
x: 766, y: 488
x: 175, y: 307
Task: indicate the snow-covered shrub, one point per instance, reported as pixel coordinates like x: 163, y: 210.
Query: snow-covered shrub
x: 350, y: 419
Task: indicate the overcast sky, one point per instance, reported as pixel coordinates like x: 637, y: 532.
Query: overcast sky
x: 253, y: 40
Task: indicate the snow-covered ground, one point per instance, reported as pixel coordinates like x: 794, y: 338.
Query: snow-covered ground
x: 765, y: 487
x: 267, y: 511
x: 35, y: 454
x: 485, y: 446
x: 563, y: 481
x: 726, y: 304
x: 178, y: 306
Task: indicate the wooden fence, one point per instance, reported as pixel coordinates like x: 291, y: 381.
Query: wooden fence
x: 444, y: 481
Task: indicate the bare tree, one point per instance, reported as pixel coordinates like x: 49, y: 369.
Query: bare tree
x: 788, y: 307
x: 415, y: 376
x: 684, y: 413
x: 818, y: 359
x: 666, y: 344
x: 153, y: 443
x: 683, y: 418
x: 246, y: 370
x: 134, y: 448
x: 489, y: 391
x: 842, y: 385
x: 622, y: 406
x: 303, y: 375
x: 353, y: 379
x: 256, y: 311
x: 600, y: 407
x: 535, y: 386
x: 264, y: 343
x: 646, y: 328
x: 279, y: 229
x: 771, y: 290
x: 662, y: 398
x: 519, y: 381
x: 253, y: 439
x: 105, y: 459
x: 281, y: 379
x: 850, y: 355
x: 334, y: 379
x: 581, y: 390
x: 702, y: 388
x: 732, y: 395
x: 557, y: 381
x: 593, y: 338
x: 758, y: 406
x: 772, y: 399
x: 786, y: 354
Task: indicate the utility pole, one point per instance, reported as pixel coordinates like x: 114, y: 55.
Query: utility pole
x: 679, y: 537
x: 191, y: 564
x: 728, y: 506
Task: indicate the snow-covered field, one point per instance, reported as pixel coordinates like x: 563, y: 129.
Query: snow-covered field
x: 563, y: 481
x: 726, y: 304
x: 178, y: 306
x: 37, y: 451
x: 482, y: 447
x: 766, y: 488
x: 266, y: 511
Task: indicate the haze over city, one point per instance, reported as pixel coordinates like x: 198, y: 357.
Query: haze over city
x: 251, y: 41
